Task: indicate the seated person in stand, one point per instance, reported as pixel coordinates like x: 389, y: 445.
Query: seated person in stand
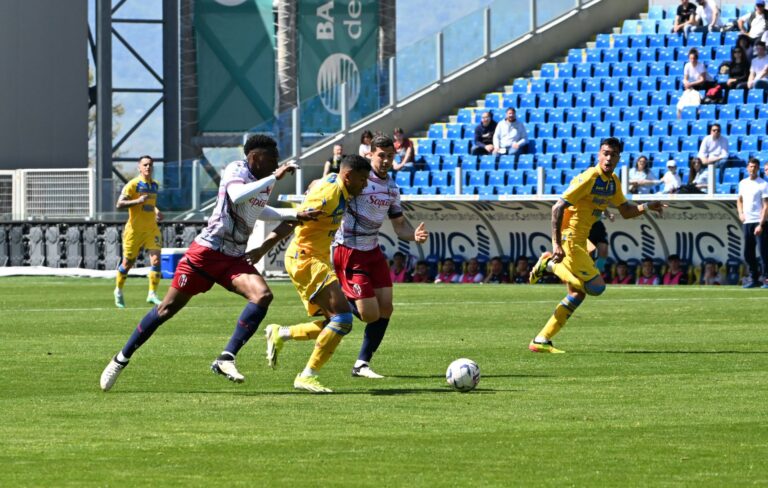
x: 472, y: 274
x: 648, y: 274
x: 622, y: 274
x: 522, y: 271
x: 675, y: 274
x: 398, y: 271
x: 496, y: 272
x: 421, y: 273
x: 447, y: 273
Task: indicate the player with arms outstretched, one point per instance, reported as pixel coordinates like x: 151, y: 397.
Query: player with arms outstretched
x: 218, y: 256
x: 308, y: 262
x: 360, y: 265
x: 139, y: 196
x: 587, y: 197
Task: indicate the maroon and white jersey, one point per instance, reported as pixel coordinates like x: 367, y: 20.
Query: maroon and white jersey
x: 366, y: 213
x: 232, y: 223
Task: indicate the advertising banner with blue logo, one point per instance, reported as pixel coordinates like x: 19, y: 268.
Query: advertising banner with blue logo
x: 235, y: 64
x: 337, y: 43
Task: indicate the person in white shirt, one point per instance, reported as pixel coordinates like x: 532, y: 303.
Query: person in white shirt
x: 714, y: 148
x: 753, y: 212
x: 510, y: 136
x: 707, y: 17
x: 640, y: 179
x: 365, y: 144
x: 695, y: 77
x: 758, y: 71
x: 671, y: 179
x: 699, y: 175
x: 754, y: 23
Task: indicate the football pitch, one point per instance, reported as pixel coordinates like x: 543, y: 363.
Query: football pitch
x: 660, y: 387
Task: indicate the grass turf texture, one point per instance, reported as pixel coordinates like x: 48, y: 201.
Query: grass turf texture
x: 660, y: 386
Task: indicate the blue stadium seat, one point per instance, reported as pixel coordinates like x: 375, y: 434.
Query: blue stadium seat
x: 582, y: 161
x: 461, y: 146
x: 660, y: 128
x: 565, y: 70
x: 476, y: 178
x: 546, y: 160
x: 601, y: 100
x: 610, y: 85
x: 468, y: 190
x: 736, y: 96
x: 555, y: 115
x: 621, y: 129
x: 758, y: 128
x: 691, y: 143
x: 603, y: 41
x: 638, y: 69
x: 431, y: 161
x: 436, y: 131
x: 731, y: 175
x: 546, y: 100
x: 659, y: 98
x: 497, y: 178
x: 420, y: 178
x: 694, y: 39
x: 668, y: 83
x: 553, y: 177
x: 620, y: 99
x: 403, y: 178
x: 638, y: 99
x: 573, y: 145
x: 690, y: 113
x: 594, y: 55
x: 531, y: 177
x: 591, y: 144
x: 440, y: 178
x: 556, y: 85
x: 726, y: 112
x: 748, y: 143
x: 562, y: 161
x: 453, y: 131
x: 668, y: 113
x: 487, y: 162
x: 592, y: 85
x: 425, y: 146
x: 506, y: 162
x: 583, y: 130
x: 574, y: 115
x: 737, y: 128
x: 619, y: 69
x: 515, y: 177
x: 544, y: 130
x: 670, y: 144
x: 520, y: 85
x: 648, y: 26
x: 427, y: 190
x: 630, y: 26
x: 647, y: 54
x: 756, y: 96
x: 525, y: 190
x: 611, y: 114
x: 592, y: 115
x: 673, y: 40
x: 707, y: 112
x: 553, y: 146
x: 610, y: 56
x: 647, y: 83
x: 678, y: 128
x: 628, y: 54
x: 442, y: 146
x: 649, y: 114
x: 549, y: 70
x: 583, y: 70
x: 583, y: 100
x: 657, y: 41
x: 564, y: 130
x: 493, y: 100
x: 649, y: 144
x: 536, y: 116
x: 641, y: 129
x: 525, y: 161
x: 563, y: 100
x: 659, y: 68
x: 446, y: 190
x: 527, y: 100
x: 656, y: 12
x: 601, y: 130
x: 468, y: 163
x: 465, y: 115
x: 576, y: 56
x: 450, y: 162
x: 538, y: 85
x: 746, y: 111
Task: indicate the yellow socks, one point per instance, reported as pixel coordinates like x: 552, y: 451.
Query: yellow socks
x: 154, y: 280
x: 327, y: 342
x: 563, y: 312
x: 122, y: 275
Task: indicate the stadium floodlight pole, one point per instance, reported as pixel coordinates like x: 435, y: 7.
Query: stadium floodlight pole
x: 103, y: 105
x: 344, y: 107
x: 392, y: 81
x: 439, y: 60
x: 486, y: 32
x: 296, y: 146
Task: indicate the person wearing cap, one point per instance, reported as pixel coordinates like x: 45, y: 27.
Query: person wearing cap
x: 675, y: 274
x: 714, y: 147
x: 754, y: 24
x: 671, y: 179
x: 753, y: 213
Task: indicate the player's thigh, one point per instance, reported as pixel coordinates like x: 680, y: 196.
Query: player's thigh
x: 580, y: 263
x: 253, y: 287
x: 384, y: 298
x: 131, y: 245
x: 331, y: 299
x: 173, y: 301
x: 368, y: 308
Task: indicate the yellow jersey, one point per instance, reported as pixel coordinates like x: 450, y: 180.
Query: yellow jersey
x: 588, y: 195
x: 141, y: 217
x: 315, y: 236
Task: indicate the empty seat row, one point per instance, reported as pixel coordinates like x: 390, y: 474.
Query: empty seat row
x: 647, y: 26
x: 648, y: 54
x: 694, y: 39
x: 596, y: 84
x: 617, y: 69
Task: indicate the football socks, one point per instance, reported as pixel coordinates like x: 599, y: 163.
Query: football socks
x: 563, y: 311
x: 374, y: 334
x: 247, y: 325
x: 329, y: 339
x: 143, y: 332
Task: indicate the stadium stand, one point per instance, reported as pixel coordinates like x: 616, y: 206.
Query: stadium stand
x: 626, y: 86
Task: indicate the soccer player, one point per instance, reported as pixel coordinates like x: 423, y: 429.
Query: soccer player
x: 308, y: 262
x: 218, y: 256
x: 139, y: 196
x: 360, y: 266
x: 572, y: 217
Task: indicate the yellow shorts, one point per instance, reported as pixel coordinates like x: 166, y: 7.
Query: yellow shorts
x: 134, y: 241
x: 309, y: 275
x: 578, y: 261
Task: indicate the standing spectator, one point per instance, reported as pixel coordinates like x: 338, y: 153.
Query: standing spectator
x: 622, y: 274
x: 707, y: 17
x: 365, y: 144
x: 711, y: 275
x: 522, y: 271
x: 333, y: 163
x: 496, y: 273
x: 648, y: 274
x: 758, y: 71
x: 695, y: 78
x: 737, y: 69
x: 404, y: 149
x: 754, y: 23
x: 421, y: 273
x: 675, y: 274
x: 640, y: 179
x: 472, y: 274
x: 686, y: 14
x: 510, y: 136
x: 753, y: 212
x: 714, y: 147
x: 447, y: 273
x: 671, y: 179
x: 398, y: 271
x: 483, y: 143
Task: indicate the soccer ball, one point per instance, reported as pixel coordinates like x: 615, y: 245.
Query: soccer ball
x: 463, y: 374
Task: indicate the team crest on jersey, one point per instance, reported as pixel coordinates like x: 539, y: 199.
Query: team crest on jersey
x: 182, y: 280
x: 357, y: 289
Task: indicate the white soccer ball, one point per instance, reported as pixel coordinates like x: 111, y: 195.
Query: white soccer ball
x: 463, y: 374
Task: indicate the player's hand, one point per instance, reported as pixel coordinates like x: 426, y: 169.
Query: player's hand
x: 307, y: 215
x: 657, y: 207
x: 557, y: 253
x: 759, y: 229
x: 159, y: 216
x: 420, y: 235
x: 254, y: 255
x: 142, y: 198
x: 286, y: 168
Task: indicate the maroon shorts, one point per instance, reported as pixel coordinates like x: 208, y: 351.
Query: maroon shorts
x: 361, y: 272
x: 201, y: 267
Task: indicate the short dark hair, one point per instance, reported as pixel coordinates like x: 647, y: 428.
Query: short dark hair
x: 715, y: 125
x: 366, y: 133
x: 398, y: 253
x: 673, y: 257
x: 754, y: 160
x: 382, y: 141
x: 759, y: 43
x: 354, y: 162
x: 146, y: 156
x: 259, y: 141
x: 647, y: 260
x: 497, y: 258
x: 398, y: 130
x: 694, y: 51
x: 422, y: 263
x: 613, y: 143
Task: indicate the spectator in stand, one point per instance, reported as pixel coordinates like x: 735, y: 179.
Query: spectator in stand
x: 640, y: 179
x: 333, y: 163
x: 752, y: 204
x: 675, y: 274
x: 714, y: 147
x: 754, y: 23
x: 421, y: 273
x: 622, y: 274
x: 745, y: 43
x: 711, y: 275
x: 483, y: 143
x: 496, y: 272
x: 686, y: 14
x: 648, y: 274
x: 758, y: 71
x: 522, y: 271
x: 737, y: 69
x: 365, y: 144
x: 695, y: 78
x: 398, y: 271
x: 765, y: 170
x: 707, y: 17
x: 510, y: 136
x: 447, y: 273
x: 698, y: 176
x: 472, y: 274
x: 671, y: 179
x: 404, y: 149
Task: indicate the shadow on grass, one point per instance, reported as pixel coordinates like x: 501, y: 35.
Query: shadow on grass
x: 415, y: 376
x: 373, y: 392
x: 686, y: 352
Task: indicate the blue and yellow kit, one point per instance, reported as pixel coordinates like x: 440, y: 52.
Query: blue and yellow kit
x: 141, y: 230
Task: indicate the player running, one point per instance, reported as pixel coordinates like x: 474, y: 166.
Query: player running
x: 139, y: 196
x: 360, y: 265
x: 308, y: 262
x: 572, y: 217
x: 218, y: 256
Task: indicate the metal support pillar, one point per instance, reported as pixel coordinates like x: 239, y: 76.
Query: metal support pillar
x: 104, y: 201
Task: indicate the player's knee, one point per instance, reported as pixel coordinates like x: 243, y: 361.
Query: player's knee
x: 343, y: 322
x: 386, y: 309
x: 594, y: 289
x: 167, y: 310
x: 128, y: 263
x: 264, y: 297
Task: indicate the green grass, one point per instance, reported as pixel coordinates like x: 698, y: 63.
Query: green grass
x: 660, y: 387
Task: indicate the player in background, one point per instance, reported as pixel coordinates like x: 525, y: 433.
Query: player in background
x: 139, y: 196
x: 587, y: 197
x: 308, y: 262
x: 218, y: 256
x: 360, y: 266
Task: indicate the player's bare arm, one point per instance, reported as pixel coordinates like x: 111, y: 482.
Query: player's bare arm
x: 279, y: 233
x: 123, y: 202
x: 630, y: 210
x: 406, y: 232
x: 558, y: 210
